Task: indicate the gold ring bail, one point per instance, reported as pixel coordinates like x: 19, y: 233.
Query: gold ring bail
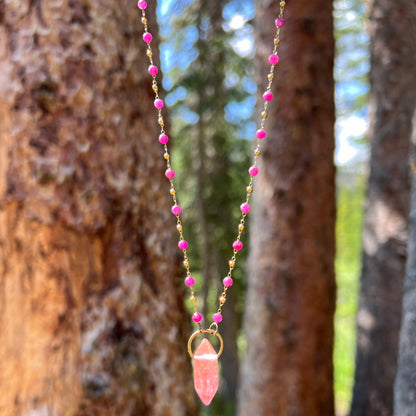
x: 206, y: 331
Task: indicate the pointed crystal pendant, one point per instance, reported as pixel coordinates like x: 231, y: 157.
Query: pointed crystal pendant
x: 205, y: 372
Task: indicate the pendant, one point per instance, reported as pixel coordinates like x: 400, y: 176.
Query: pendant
x: 205, y: 362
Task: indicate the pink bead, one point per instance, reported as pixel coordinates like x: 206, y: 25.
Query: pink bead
x: 267, y: 96
x: 245, y: 208
x: 227, y: 281
x: 163, y: 139
x: 176, y: 210
x: 170, y: 173
x: 237, y: 245
x: 183, y: 244
x: 189, y: 281
x: 197, y: 317
x: 142, y: 5
x: 158, y: 103
x: 153, y: 70
x: 253, y: 171
x: 280, y: 22
x: 260, y: 134
x: 273, y: 59
x: 217, y: 317
x: 147, y: 37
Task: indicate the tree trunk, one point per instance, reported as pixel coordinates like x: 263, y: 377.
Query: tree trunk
x: 91, y: 317
x: 291, y: 287
x: 405, y: 390
x: 392, y: 95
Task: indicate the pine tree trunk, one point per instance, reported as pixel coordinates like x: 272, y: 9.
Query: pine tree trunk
x: 405, y: 385
x: 291, y: 286
x: 90, y: 314
x: 392, y: 92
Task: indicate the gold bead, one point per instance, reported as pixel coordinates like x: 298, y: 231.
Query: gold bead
x: 249, y: 189
x: 179, y: 228
x: 154, y: 88
x: 144, y: 20
x: 276, y: 41
x: 257, y: 152
x: 166, y: 156
x: 270, y: 77
x: 149, y: 53
x: 231, y: 263
x: 264, y: 114
x: 186, y: 263
x: 282, y: 4
x: 160, y: 121
x: 193, y: 298
x: 222, y: 300
x: 172, y: 191
x: 241, y: 227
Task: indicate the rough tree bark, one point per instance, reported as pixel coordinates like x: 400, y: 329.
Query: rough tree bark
x: 392, y: 96
x: 90, y: 315
x: 291, y: 286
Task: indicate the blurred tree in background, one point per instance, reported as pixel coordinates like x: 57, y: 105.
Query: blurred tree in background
x: 405, y: 384
x: 405, y: 390
x: 92, y: 321
x: 391, y: 108
x: 291, y: 288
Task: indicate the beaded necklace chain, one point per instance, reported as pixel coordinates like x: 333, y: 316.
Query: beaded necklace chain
x: 205, y: 358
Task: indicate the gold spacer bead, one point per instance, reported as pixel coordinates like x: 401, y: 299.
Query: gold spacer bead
x: 276, y: 41
x: 160, y: 121
x: 222, y: 300
x: 186, y: 263
x: 270, y: 77
x: 144, y: 20
x: 172, y: 191
x: 249, y: 189
x: 166, y: 156
x: 154, y: 88
x: 241, y: 227
x: 149, y: 53
x: 179, y: 228
x: 231, y: 263
x: 193, y: 298
x: 257, y: 152
x: 264, y: 114
x: 282, y: 4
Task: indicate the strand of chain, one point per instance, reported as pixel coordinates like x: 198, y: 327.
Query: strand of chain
x: 170, y: 174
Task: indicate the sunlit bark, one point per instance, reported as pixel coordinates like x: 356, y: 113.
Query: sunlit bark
x: 291, y: 287
x: 91, y: 320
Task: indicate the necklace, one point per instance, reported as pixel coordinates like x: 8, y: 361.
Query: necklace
x: 205, y: 358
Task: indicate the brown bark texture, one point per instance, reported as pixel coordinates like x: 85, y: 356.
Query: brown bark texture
x: 391, y: 106
x: 291, y: 284
x: 90, y: 313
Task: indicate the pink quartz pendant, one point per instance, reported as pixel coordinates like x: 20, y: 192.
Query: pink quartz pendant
x: 205, y: 372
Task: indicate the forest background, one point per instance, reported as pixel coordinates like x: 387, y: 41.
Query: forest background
x: 92, y: 306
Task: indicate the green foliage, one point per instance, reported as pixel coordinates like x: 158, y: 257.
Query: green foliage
x: 350, y: 199
x: 211, y: 161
